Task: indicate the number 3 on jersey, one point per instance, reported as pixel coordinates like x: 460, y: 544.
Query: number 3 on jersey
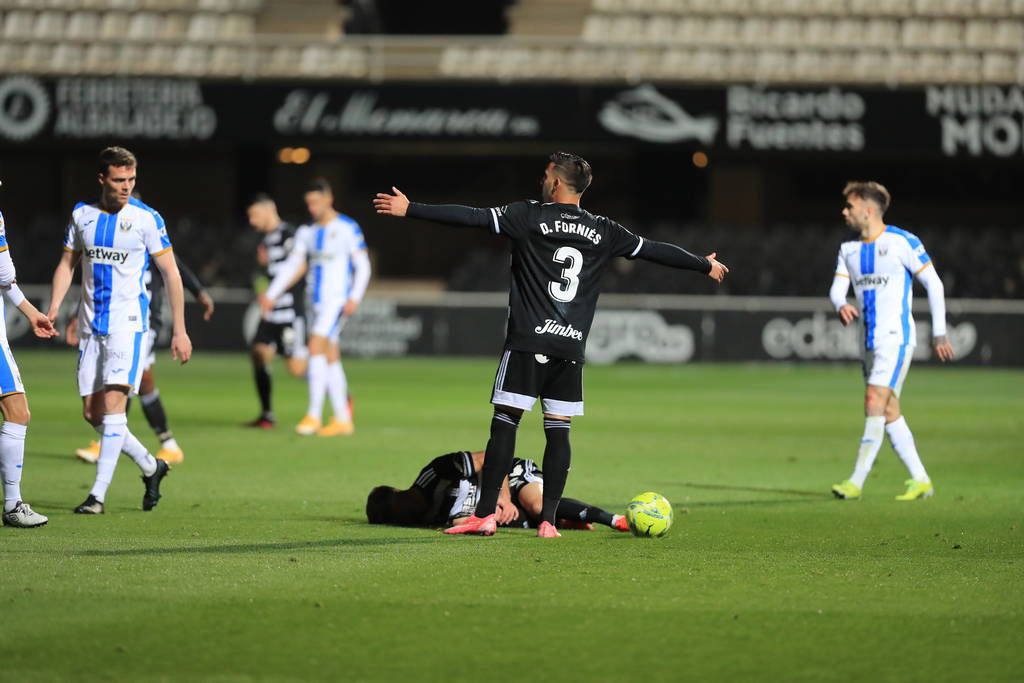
x: 566, y: 289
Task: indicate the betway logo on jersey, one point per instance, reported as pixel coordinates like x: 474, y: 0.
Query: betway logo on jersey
x: 107, y: 256
x: 872, y: 281
x: 552, y: 327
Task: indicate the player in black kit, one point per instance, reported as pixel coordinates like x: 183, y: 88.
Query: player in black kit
x: 559, y: 252
x: 446, y: 491
x: 282, y: 330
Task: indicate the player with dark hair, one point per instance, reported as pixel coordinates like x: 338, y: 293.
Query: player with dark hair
x: 114, y: 238
x: 283, y: 329
x: 882, y: 265
x: 447, y: 490
x: 559, y: 252
x: 331, y: 251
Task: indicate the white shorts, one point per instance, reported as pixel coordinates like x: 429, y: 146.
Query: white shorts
x: 887, y: 367
x: 10, y: 378
x: 110, y: 360
x: 327, y: 319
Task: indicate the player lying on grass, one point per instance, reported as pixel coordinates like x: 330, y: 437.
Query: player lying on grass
x: 446, y: 493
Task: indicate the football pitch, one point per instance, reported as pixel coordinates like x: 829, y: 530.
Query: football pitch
x: 258, y: 563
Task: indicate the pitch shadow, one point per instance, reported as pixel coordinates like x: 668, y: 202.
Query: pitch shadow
x: 244, y: 548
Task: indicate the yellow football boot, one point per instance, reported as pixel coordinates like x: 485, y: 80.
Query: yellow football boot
x: 172, y: 456
x: 308, y: 426
x: 917, y: 489
x: 846, y: 490
x: 90, y: 453
x: 336, y: 428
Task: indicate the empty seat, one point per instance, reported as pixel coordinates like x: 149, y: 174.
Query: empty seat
x: 18, y: 24
x: 83, y: 25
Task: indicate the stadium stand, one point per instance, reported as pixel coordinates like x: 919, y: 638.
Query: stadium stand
x: 800, y: 41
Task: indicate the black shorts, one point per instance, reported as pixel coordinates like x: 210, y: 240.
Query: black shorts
x: 523, y: 376
x: 288, y: 338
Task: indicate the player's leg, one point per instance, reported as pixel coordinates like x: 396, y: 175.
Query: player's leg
x: 337, y: 390
x: 902, y: 439
x: 515, y: 390
x: 878, y: 366
x: 106, y: 409
x: 16, y: 512
x: 571, y: 514
x: 261, y: 354
x: 153, y: 408
x: 294, y: 347
x: 562, y: 399
x: 325, y: 316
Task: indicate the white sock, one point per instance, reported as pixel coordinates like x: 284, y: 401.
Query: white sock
x: 337, y: 389
x: 134, y: 449
x: 115, y: 429
x: 317, y: 385
x: 874, y: 434
x: 12, y: 457
x: 903, y: 443
x: 170, y: 444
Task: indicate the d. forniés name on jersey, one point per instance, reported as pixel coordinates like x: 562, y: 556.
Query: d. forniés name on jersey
x: 552, y: 327
x: 106, y: 256
x: 572, y: 229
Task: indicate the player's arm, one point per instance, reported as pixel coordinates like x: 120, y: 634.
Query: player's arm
x: 62, y: 277
x: 41, y: 325
x: 398, y: 205
x: 937, y: 305
x: 181, y: 345
x: 673, y: 256
x: 360, y: 280
x: 290, y: 272
x: 194, y: 285
x: 838, y: 291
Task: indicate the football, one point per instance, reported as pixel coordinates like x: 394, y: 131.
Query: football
x: 649, y: 514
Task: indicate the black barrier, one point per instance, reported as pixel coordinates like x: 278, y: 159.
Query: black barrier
x: 950, y: 120
x: 646, y: 329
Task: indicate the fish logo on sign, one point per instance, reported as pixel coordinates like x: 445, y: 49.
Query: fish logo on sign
x: 645, y: 113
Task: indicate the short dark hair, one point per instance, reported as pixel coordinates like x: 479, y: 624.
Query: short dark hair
x: 379, y: 505
x: 574, y: 170
x: 319, y: 185
x: 115, y: 156
x: 260, y: 198
x: 869, y: 189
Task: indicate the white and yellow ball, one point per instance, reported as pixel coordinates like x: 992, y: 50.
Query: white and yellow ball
x: 649, y: 514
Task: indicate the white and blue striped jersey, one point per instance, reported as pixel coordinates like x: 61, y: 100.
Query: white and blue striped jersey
x: 7, y: 272
x: 882, y: 273
x: 329, y: 251
x: 115, y: 251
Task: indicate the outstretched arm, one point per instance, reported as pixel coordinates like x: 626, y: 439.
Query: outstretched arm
x: 398, y: 205
x: 672, y: 256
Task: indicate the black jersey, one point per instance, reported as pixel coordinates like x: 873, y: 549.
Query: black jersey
x: 278, y: 243
x: 559, y: 252
x: 437, y: 480
x: 153, y: 282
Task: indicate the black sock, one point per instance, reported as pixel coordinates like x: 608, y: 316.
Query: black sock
x: 557, y: 456
x: 263, y: 388
x: 572, y: 509
x: 153, y: 409
x: 501, y: 448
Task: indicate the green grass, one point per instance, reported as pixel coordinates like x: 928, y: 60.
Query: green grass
x: 258, y: 565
